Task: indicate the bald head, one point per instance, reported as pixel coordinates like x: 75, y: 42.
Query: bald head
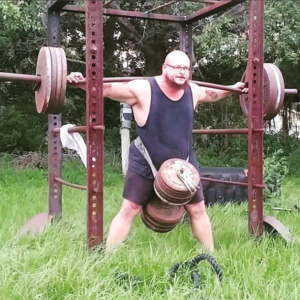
x: 176, y: 69
x: 177, y: 57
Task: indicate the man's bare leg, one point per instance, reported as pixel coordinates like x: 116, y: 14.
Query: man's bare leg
x: 121, y: 224
x: 201, y: 225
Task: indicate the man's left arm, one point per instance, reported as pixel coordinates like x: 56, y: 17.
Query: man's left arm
x: 209, y: 95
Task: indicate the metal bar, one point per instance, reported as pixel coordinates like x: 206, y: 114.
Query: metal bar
x: 94, y: 117
x: 81, y: 129
x: 127, y: 14
x: 57, y: 5
x: 20, y: 77
x: 211, y: 10
x: 76, y: 186
x: 203, y: 1
x: 161, y: 6
x: 259, y: 186
x: 290, y: 91
x: 200, y: 83
x: 108, y: 2
x: 186, y: 41
x: 220, y: 131
x: 255, y: 117
x: 54, y: 121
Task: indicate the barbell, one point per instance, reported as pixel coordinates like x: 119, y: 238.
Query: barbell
x: 51, y: 83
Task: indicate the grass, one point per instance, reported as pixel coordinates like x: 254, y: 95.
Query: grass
x: 56, y: 264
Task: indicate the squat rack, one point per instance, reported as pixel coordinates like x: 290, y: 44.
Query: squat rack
x: 94, y: 12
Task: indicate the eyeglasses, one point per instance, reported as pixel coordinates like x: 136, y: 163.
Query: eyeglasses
x: 178, y: 68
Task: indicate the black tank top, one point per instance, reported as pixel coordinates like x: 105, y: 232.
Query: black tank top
x: 167, y: 132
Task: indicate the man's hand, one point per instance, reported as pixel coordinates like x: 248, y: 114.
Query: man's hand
x: 241, y: 87
x: 75, y: 77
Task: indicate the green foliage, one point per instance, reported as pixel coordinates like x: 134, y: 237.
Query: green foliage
x: 275, y: 170
x: 286, y: 147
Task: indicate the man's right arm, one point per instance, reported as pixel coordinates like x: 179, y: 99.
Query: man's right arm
x: 125, y: 92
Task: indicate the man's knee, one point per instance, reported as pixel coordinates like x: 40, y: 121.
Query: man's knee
x: 129, y: 210
x: 196, y: 209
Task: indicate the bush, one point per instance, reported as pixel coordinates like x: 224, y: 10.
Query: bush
x: 275, y: 170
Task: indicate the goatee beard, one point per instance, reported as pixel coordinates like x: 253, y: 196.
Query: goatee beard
x: 176, y: 86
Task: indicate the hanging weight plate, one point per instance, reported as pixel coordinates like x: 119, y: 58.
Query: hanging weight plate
x: 273, y: 92
x: 161, y: 217
x: 43, y: 69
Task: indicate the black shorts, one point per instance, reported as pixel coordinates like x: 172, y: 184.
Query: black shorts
x: 139, y: 189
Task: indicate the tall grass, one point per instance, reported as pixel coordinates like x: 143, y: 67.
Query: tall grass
x: 56, y: 264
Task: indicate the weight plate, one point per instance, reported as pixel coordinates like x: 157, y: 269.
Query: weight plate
x: 276, y: 90
x: 163, y: 213
x: 273, y: 92
x: 43, y: 69
x: 169, y: 169
x: 54, y: 80
x: 64, y: 71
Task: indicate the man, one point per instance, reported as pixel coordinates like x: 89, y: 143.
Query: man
x: 163, y: 108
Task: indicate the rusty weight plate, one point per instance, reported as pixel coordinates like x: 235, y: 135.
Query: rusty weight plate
x: 43, y: 69
x: 168, y: 172
x: 273, y: 94
x: 36, y: 224
x: 277, y: 91
x: 168, y: 195
x: 64, y: 71
x: 54, y: 79
x: 52, y: 67
x: 164, y: 213
x: 161, y: 217
x: 275, y: 227
x: 169, y: 187
x: 153, y: 226
x: 59, y: 77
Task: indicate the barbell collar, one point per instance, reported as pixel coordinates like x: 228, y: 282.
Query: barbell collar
x: 290, y: 91
x: 20, y: 77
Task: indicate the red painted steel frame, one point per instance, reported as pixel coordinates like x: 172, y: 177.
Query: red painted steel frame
x: 94, y: 107
x: 94, y: 117
x: 255, y: 117
x: 54, y: 121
